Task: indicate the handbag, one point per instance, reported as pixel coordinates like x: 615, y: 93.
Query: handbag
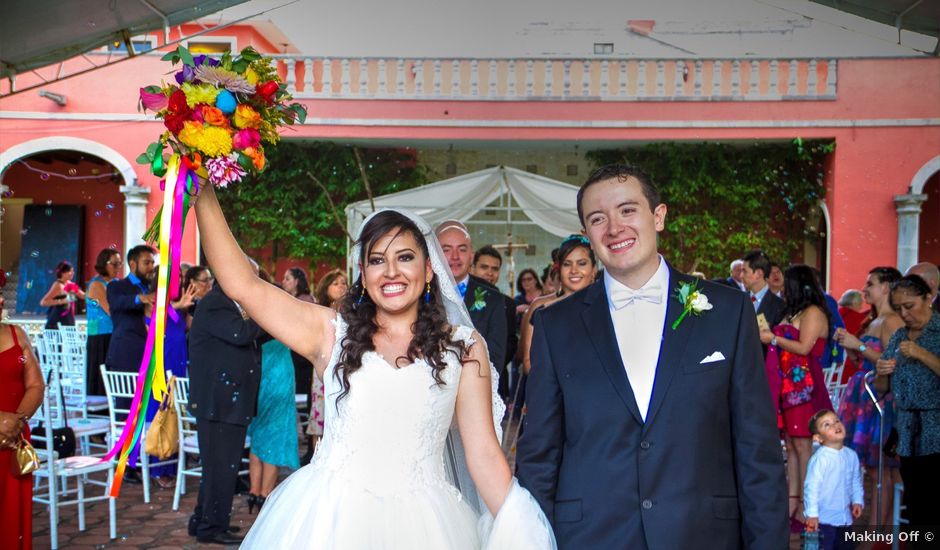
x: 26, y: 461
x: 163, y: 435
x: 63, y: 439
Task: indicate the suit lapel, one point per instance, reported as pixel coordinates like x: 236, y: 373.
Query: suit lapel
x: 600, y: 330
x: 673, y: 344
x: 468, y: 296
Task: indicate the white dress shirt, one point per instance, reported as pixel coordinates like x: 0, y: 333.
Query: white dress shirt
x: 833, y: 484
x: 639, y: 330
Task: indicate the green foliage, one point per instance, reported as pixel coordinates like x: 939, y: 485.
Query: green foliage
x: 286, y: 209
x: 725, y: 199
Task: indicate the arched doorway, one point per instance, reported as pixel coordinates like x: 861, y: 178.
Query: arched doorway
x: 928, y: 246
x: 63, y: 199
x: 919, y: 217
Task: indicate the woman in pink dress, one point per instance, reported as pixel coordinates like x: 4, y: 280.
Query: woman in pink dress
x: 794, y: 369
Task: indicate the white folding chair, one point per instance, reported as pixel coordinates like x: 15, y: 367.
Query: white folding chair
x: 121, y: 385
x: 53, y: 469
x: 56, y: 362
x: 75, y: 350
x: 189, y: 441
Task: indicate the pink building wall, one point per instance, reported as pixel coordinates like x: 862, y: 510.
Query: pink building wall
x: 885, y: 121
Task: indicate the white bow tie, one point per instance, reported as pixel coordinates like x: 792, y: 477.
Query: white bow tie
x: 623, y: 296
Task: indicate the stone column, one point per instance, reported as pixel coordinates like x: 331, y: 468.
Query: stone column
x: 908, y: 208
x: 3, y: 191
x: 135, y: 215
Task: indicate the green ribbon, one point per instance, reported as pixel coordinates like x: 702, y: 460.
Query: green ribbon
x: 157, y: 166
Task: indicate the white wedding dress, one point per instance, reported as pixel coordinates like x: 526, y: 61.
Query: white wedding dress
x: 378, y: 478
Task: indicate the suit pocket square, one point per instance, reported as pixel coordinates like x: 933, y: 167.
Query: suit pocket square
x: 717, y: 356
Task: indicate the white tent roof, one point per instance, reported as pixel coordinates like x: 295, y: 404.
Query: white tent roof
x: 549, y: 203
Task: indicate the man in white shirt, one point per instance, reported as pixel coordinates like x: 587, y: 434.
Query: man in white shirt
x: 649, y: 419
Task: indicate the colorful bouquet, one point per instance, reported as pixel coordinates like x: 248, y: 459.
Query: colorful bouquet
x: 219, y: 115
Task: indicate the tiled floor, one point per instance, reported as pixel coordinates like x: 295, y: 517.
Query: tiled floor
x: 139, y: 525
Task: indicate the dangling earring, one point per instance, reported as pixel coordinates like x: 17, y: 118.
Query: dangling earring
x: 427, y: 293
x: 361, y: 296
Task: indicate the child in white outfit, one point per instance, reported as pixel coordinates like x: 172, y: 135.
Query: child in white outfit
x: 832, y: 493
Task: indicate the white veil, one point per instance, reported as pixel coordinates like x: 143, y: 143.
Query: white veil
x: 457, y: 315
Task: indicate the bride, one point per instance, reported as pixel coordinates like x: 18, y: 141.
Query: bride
x: 399, y: 363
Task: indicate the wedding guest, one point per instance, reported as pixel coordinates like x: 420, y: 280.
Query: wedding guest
x: 910, y: 368
x: 735, y: 275
x: 295, y: 283
x: 21, y: 391
x: 483, y: 301
x: 222, y: 348
x: 767, y: 306
x: 931, y: 275
x: 857, y: 411
x: 550, y: 280
x: 273, y: 430
x: 107, y: 268
x: 795, y: 355
x: 127, y: 299
x: 331, y: 288
x: 487, y: 263
x: 853, y: 313
x: 528, y: 288
x: 776, y: 279
x: 833, y: 487
x: 61, y: 297
x: 577, y: 270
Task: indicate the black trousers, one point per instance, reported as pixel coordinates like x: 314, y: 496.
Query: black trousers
x: 921, y: 476
x: 220, y: 452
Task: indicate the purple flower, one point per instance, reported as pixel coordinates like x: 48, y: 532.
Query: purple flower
x: 205, y: 59
x: 186, y: 75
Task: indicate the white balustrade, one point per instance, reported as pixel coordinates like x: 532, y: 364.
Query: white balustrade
x: 519, y: 79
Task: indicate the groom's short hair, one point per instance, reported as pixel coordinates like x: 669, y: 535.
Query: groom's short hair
x: 621, y: 172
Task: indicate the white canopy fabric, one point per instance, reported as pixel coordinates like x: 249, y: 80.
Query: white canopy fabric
x: 549, y: 203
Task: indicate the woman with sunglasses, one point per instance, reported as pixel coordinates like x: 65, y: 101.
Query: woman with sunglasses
x: 577, y: 269
x: 107, y: 268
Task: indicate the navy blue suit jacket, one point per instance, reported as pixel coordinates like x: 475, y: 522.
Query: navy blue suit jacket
x: 703, y: 470
x: 129, y: 335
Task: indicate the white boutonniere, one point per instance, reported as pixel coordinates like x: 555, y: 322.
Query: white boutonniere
x: 693, y: 301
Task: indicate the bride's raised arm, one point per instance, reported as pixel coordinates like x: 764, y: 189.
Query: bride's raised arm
x: 301, y: 326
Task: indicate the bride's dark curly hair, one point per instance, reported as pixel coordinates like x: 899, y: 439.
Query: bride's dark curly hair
x: 432, y: 333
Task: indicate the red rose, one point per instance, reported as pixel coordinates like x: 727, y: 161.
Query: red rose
x: 174, y: 122
x: 267, y: 90
x: 177, y: 102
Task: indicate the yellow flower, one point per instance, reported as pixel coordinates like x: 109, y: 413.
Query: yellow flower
x: 251, y: 76
x: 246, y: 117
x: 200, y: 93
x: 211, y: 140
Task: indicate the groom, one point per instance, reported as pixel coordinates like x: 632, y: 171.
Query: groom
x: 644, y: 433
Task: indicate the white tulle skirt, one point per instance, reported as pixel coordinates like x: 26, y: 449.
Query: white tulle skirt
x: 314, y: 509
